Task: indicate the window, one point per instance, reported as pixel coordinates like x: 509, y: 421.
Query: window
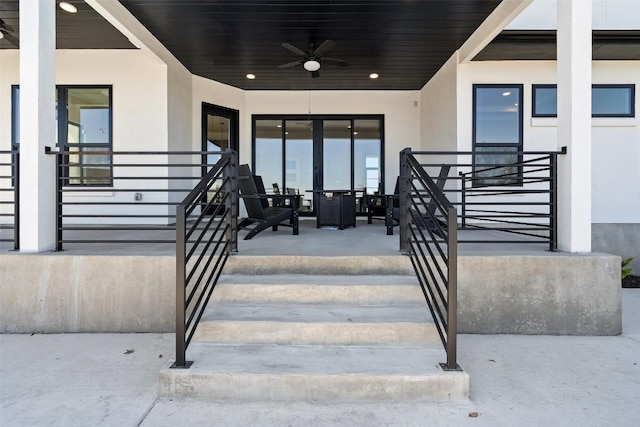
x: 606, y: 100
x: 84, y: 122
x: 497, y: 134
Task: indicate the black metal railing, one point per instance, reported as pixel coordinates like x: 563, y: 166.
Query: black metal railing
x: 428, y: 234
x: 205, y: 237
x: 10, y: 197
x: 124, y: 197
x: 507, y: 197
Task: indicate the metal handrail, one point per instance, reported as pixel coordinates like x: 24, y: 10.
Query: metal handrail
x: 516, y: 198
x: 10, y: 195
x: 428, y: 234
x: 204, y: 241
x: 138, y: 192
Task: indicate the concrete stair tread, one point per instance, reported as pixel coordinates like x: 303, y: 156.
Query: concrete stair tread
x: 415, y: 360
x: 317, y: 313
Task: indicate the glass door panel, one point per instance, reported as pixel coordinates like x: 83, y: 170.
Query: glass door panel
x: 268, y: 153
x: 298, y: 173
x: 218, y: 136
x: 336, y: 155
x: 367, y: 176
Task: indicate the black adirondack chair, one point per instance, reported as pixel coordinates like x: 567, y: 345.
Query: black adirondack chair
x: 389, y: 205
x: 259, y: 213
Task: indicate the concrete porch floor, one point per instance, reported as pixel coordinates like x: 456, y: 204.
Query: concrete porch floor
x: 362, y: 240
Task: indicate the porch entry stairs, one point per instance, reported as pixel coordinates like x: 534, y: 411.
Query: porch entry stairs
x: 335, y: 336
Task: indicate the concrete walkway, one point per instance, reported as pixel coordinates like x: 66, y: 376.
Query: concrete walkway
x: 111, y: 380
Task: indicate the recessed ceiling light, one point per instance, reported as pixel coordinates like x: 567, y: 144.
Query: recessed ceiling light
x: 374, y: 75
x: 279, y: 126
x: 251, y: 76
x: 355, y: 133
x: 507, y: 93
x: 68, y: 7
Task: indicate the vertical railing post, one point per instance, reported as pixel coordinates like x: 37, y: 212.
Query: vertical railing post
x: 405, y: 196
x: 553, y: 202
x: 181, y: 250
x: 16, y: 198
x: 59, y: 186
x: 463, y: 216
x: 452, y: 289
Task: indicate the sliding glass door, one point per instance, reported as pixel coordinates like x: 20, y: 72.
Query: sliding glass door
x: 306, y: 155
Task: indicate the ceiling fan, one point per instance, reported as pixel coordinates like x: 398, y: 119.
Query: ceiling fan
x: 312, y: 60
x: 5, y: 33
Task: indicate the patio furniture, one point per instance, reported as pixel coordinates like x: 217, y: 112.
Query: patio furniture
x: 336, y: 208
x: 257, y: 203
x: 389, y: 205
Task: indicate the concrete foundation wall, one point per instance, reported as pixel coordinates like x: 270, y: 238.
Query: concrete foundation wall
x: 59, y: 293
x: 540, y: 295
x: 619, y: 239
x: 548, y: 294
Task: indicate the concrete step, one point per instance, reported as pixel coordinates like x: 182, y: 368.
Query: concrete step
x: 321, y: 265
x: 345, y: 289
x: 317, y: 324
x: 289, y: 372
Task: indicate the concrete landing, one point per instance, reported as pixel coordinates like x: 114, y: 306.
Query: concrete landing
x: 307, y: 373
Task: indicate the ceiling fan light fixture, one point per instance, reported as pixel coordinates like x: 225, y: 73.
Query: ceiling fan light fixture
x: 311, y: 65
x: 68, y: 7
x: 1, y: 35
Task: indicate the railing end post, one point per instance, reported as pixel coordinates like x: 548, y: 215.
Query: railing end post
x: 185, y: 365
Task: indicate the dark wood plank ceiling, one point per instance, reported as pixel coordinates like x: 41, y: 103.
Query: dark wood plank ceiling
x: 405, y: 42
x: 86, y: 29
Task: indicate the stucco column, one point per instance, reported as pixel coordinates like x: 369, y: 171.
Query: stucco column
x: 574, y: 125
x: 37, y: 124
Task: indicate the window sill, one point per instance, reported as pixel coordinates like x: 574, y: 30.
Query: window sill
x: 595, y: 122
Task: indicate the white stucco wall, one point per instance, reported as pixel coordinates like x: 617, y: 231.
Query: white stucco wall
x: 615, y: 141
x: 140, y: 105
x: 401, y: 110
x: 212, y: 92
x: 438, y: 113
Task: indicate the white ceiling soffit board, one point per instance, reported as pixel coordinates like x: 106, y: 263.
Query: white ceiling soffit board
x: 502, y: 16
x: 118, y: 16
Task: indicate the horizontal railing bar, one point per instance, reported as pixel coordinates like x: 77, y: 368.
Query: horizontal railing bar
x: 119, y: 203
x: 132, y: 153
x: 102, y: 189
x: 131, y: 165
x: 137, y: 178
x: 470, y: 153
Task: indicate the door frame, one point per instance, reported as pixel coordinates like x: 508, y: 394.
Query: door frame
x: 317, y: 120
x: 234, y: 127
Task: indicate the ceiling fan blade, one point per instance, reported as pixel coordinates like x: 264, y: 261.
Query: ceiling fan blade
x: 315, y: 74
x: 293, y: 49
x: 291, y: 64
x: 324, y: 47
x: 334, y: 61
